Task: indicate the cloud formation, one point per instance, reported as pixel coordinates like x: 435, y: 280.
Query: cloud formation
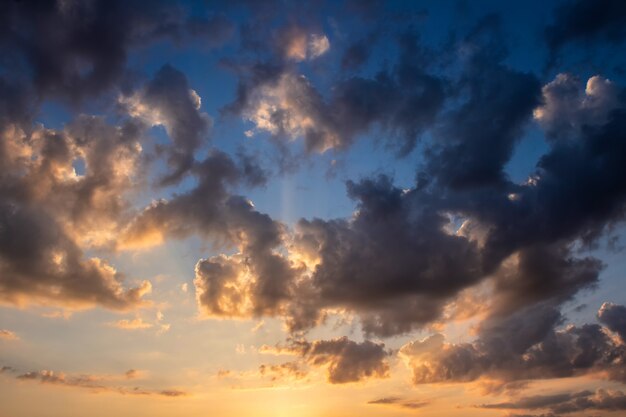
x: 167, y: 100
x: 524, y: 345
x: 600, y: 400
x: 94, y: 383
x: 345, y: 360
x: 44, y: 196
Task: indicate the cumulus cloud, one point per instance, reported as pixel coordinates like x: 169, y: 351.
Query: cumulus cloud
x: 613, y: 316
x: 525, y: 345
x: 345, y: 360
x: 403, y: 102
x: 44, y: 197
x: 567, y: 108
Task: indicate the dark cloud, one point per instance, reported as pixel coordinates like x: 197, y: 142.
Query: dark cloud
x: 586, y: 21
x: 399, y: 402
x: 477, y: 137
x: 168, y: 100
x: 94, y: 383
x: 345, y: 360
x: 613, y: 316
x: 393, y: 263
x: 79, y: 49
x: 292, y: 370
x: 521, y: 346
x: 403, y: 102
x: 601, y: 399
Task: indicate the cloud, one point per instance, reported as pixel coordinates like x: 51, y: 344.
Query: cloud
x: 390, y: 256
x: 585, y: 22
x: 407, y: 254
x: 297, y: 45
x: 134, y: 324
x: 476, y: 138
x: 51, y: 213
x: 523, y: 346
x: 613, y: 316
x: 566, y: 108
x: 601, y: 399
x: 399, y: 402
x: 78, y: 50
x: 403, y: 102
x: 167, y: 100
x: 94, y: 383
x: 284, y: 371
x: 345, y: 360
x: 8, y: 335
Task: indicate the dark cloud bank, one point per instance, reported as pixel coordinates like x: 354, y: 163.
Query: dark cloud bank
x: 399, y: 261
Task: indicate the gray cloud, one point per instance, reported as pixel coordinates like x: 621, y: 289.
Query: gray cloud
x: 94, y: 383
x: 586, y: 22
x: 524, y: 345
x: 601, y: 399
x: 168, y: 100
x: 399, y: 402
x: 476, y: 138
x: 345, y: 360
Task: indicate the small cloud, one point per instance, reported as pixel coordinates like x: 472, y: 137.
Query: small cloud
x: 8, y: 335
x: 131, y: 374
x: 173, y: 393
x: 134, y: 324
x: 258, y: 326
x: 223, y: 373
x: 164, y: 328
x: 318, y: 45
x: 399, y: 402
x: 58, y: 314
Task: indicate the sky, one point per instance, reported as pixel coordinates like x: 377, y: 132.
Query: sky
x: 315, y: 208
